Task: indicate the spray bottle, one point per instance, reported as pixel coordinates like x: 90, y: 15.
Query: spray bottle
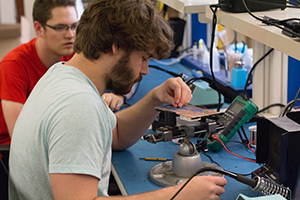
x: 203, y: 54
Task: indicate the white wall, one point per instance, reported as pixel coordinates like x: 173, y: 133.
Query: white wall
x: 28, y: 4
x: 8, y: 12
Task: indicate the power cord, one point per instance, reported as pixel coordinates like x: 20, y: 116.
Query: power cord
x: 182, y: 75
x: 251, y: 71
x: 296, y: 97
x: 214, y: 23
x: 216, y: 138
x: 213, y: 83
x: 174, y: 60
x: 288, y: 106
x: 270, y: 106
x: 286, y: 27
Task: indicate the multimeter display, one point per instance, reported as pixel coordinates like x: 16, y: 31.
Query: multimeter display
x: 239, y: 112
x: 230, y: 113
x: 236, y: 107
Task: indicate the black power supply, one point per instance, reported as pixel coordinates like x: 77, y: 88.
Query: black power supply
x: 237, y: 6
x: 278, y: 148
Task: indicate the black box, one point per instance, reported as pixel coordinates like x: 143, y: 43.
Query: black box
x: 294, y: 115
x: 278, y: 147
x: 237, y: 6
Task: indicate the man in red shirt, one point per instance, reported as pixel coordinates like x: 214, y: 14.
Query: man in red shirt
x: 55, y: 25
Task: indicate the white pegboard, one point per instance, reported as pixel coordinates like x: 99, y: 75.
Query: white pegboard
x: 269, y: 78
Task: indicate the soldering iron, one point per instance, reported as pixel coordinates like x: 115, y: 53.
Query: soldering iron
x: 259, y: 184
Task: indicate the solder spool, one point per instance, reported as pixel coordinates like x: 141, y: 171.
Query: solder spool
x: 253, y: 138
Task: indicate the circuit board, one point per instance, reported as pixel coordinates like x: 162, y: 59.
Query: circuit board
x: 189, y: 111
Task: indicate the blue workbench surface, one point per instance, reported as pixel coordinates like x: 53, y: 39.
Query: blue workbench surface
x: 133, y: 172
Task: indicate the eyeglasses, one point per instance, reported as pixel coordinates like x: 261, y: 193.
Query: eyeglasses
x: 63, y: 27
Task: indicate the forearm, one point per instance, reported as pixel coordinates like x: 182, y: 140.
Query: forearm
x: 200, y: 187
x: 134, y: 121
x: 79, y: 186
x: 11, y: 111
x: 163, y: 194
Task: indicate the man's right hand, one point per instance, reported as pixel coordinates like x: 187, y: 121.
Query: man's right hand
x: 203, y: 188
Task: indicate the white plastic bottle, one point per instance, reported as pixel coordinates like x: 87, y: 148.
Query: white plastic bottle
x: 203, y: 54
x: 216, y: 59
x: 248, y: 60
x: 205, y: 59
x: 195, y: 51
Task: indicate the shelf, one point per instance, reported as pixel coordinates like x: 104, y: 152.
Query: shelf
x: 189, y: 6
x: 245, y: 24
x: 255, y: 29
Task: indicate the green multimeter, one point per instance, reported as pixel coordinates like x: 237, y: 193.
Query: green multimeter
x: 239, y: 112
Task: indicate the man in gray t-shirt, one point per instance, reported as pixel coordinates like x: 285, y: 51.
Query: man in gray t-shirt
x: 62, y: 140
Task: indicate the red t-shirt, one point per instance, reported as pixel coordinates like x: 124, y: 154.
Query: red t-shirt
x: 20, y: 70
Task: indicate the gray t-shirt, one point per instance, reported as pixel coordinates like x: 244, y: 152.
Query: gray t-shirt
x: 64, y: 127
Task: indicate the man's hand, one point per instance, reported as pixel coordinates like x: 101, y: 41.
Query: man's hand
x: 174, y: 91
x: 113, y: 101
x: 203, y: 188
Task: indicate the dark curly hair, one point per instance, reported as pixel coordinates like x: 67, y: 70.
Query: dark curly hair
x: 129, y: 24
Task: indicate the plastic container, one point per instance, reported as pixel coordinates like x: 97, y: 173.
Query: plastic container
x: 238, y: 76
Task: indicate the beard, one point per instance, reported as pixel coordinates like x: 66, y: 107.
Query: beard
x: 121, y: 78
